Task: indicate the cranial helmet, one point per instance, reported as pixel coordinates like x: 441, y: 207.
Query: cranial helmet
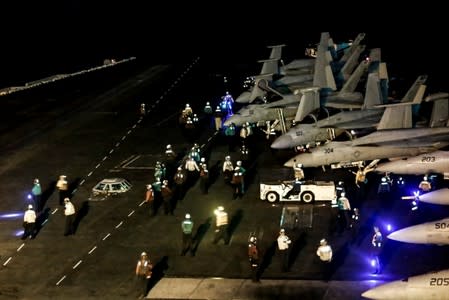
x: 384, y: 179
x: 340, y: 183
x: 425, y: 178
x: 168, y: 146
x: 282, y: 230
x: 228, y: 157
x: 30, y: 206
x: 323, y: 242
x: 207, y: 103
x: 299, y: 165
x: 66, y: 200
x: 179, y: 168
x: 343, y: 194
x: 220, y: 208
x: 187, y: 216
x: 239, y: 163
x: 253, y: 239
x: 187, y: 105
x: 143, y: 254
x: 36, y: 180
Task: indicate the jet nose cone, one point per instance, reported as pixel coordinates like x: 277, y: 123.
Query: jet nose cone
x: 244, y: 97
x: 283, y: 142
x: 408, y: 235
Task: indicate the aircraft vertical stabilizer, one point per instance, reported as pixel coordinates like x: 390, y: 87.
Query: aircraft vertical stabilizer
x: 323, y: 76
x: 351, y: 63
x: 276, y: 51
x: 400, y: 116
x: 373, y: 94
x: 440, y: 113
x: 310, y: 101
x: 270, y: 66
x: 353, y: 47
x: 352, y: 82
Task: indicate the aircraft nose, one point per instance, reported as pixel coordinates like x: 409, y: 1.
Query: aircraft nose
x: 283, y: 142
x: 244, y: 97
x: 393, y: 290
x: 412, y: 234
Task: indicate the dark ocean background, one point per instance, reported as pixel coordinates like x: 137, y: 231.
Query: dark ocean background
x: 47, y: 38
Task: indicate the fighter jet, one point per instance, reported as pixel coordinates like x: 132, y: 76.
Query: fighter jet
x: 435, y: 232
x: 439, y: 197
x: 429, y: 286
x: 387, y: 142
x: 331, y: 127
x: 436, y: 162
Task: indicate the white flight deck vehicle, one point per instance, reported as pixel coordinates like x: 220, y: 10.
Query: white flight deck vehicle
x: 429, y: 286
x: 111, y: 186
x: 310, y: 191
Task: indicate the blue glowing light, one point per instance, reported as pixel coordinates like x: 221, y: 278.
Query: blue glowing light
x: 11, y: 215
x: 373, y: 263
x: 29, y: 196
x: 388, y: 227
x: 416, y: 193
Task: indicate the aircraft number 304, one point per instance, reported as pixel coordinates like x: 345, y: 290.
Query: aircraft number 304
x: 441, y: 225
x: 439, y: 281
x: 425, y: 159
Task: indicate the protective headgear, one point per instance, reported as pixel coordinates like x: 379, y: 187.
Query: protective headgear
x: 143, y: 254
x: 282, y: 230
x: 220, y: 208
x: 66, y: 200
x: 253, y: 239
x: 228, y: 158
x: 36, y: 180
x: 343, y: 194
x: 239, y: 163
x: 425, y: 178
x: 383, y: 179
x: 323, y: 242
x: 165, y: 182
x: 207, y: 103
x: 340, y: 183
x: 299, y: 165
x: 187, y: 105
x: 168, y: 146
x: 187, y: 216
x: 203, y: 159
x: 179, y: 168
x: 149, y: 186
x: 30, y: 206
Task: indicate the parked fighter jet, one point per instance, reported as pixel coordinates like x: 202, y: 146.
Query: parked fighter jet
x: 331, y: 127
x: 434, y: 162
x: 398, y: 142
x: 435, y: 232
x: 429, y: 286
x: 440, y: 197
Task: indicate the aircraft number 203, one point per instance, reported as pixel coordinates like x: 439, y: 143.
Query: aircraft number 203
x: 441, y: 225
x: 439, y: 281
x: 426, y: 159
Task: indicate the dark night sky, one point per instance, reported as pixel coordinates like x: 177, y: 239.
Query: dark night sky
x: 62, y: 36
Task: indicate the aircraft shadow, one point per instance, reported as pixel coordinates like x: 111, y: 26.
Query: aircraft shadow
x: 46, y: 194
x: 235, y: 221
x: 298, y: 244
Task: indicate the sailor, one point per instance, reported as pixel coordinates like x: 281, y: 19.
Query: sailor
x: 384, y: 186
x: 228, y: 169
x: 218, y: 115
x: 324, y: 251
x: 283, y: 244
x: 62, y: 186
x: 143, y: 110
x: 187, y: 229
x: 143, y: 273
x: 36, y: 191
x: 29, y: 223
x: 208, y: 109
x: 180, y: 181
x: 344, y: 209
x: 425, y: 185
x: 149, y: 198
x: 221, y: 225
x: 253, y: 256
x: 69, y: 213
x: 340, y: 188
x: 377, y: 243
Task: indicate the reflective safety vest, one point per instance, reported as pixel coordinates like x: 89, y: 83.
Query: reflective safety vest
x: 325, y: 253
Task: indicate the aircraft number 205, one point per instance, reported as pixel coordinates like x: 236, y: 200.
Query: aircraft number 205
x: 439, y: 281
x: 441, y: 225
x: 425, y: 159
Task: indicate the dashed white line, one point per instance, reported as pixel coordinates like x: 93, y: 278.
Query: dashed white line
x: 140, y: 120
x: 141, y: 203
x: 92, y: 250
x: 123, y: 137
x: 53, y: 212
x: 82, y: 181
x: 129, y: 131
x: 112, y: 150
x: 7, y: 261
x: 74, y: 191
x: 117, y: 144
x: 134, y: 126
x: 130, y: 214
x: 119, y: 224
x: 96, y: 167
x: 77, y: 264
x: 89, y: 174
x: 60, y: 280
x: 106, y: 236
x: 21, y: 246
x: 43, y: 223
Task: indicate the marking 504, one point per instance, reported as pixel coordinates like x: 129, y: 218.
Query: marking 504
x: 426, y: 159
x: 439, y: 281
x: 441, y: 225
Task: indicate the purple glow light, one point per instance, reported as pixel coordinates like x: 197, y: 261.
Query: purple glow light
x: 12, y: 215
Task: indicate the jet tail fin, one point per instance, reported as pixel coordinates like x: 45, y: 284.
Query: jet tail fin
x: 353, y: 47
x: 400, y: 115
x: 352, y: 82
x: 440, y: 110
x: 310, y: 101
x: 323, y: 76
x: 276, y: 51
x: 373, y: 94
x: 351, y: 62
x: 270, y: 66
